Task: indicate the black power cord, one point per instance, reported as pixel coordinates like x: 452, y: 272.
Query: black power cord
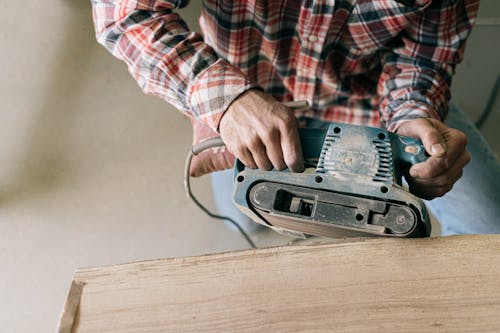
x: 195, y: 150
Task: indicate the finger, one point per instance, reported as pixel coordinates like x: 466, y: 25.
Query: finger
x: 427, y: 131
x: 456, y: 142
x: 259, y: 155
x: 437, y: 189
x: 290, y: 144
x: 429, y: 193
x: 245, y: 156
x: 444, y: 180
x: 429, y: 188
x: 273, y: 148
x: 433, y: 167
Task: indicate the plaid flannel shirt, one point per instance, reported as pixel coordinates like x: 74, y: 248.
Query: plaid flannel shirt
x: 371, y: 62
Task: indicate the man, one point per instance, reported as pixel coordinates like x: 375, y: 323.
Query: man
x: 373, y: 62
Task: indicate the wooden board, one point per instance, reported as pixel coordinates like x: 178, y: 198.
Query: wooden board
x: 374, y: 285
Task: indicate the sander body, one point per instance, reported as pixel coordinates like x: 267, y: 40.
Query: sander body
x: 352, y: 187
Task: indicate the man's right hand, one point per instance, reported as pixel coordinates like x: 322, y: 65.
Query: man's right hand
x: 262, y: 132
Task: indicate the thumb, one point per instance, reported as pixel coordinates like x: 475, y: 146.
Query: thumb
x: 427, y: 130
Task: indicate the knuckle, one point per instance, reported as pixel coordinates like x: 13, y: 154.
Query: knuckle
x: 425, y: 173
x: 436, y: 165
x: 270, y: 135
x: 441, y: 182
x: 462, y: 138
x: 253, y: 142
x: 288, y: 121
x: 286, y: 124
x: 443, y: 164
x: 434, y: 135
x: 277, y: 109
x: 446, y: 181
x: 232, y: 148
x: 467, y: 158
x: 240, y: 152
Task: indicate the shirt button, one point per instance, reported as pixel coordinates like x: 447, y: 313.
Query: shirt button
x: 313, y: 39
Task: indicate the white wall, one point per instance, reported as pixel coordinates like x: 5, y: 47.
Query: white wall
x: 475, y: 77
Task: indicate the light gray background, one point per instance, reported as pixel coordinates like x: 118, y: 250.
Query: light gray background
x: 91, y: 169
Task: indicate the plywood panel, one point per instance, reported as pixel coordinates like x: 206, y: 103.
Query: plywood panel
x: 386, y: 285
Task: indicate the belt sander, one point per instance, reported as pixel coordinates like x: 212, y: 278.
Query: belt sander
x: 352, y: 186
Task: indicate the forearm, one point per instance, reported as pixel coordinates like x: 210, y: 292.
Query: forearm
x: 418, y: 70
x: 166, y: 59
x: 411, y: 90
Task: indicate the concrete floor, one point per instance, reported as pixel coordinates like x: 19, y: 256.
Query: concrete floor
x: 91, y: 169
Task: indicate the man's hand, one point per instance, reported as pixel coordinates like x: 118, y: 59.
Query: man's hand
x: 448, y: 156
x: 262, y: 133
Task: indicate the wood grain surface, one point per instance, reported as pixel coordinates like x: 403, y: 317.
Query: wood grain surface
x: 373, y: 285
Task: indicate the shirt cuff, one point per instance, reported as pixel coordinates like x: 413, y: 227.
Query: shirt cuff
x: 406, y: 111
x: 215, y: 89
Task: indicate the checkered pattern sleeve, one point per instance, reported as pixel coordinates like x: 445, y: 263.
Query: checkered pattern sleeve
x: 419, y: 65
x: 166, y: 59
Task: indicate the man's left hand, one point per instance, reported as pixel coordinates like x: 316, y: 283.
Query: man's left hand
x: 448, y: 156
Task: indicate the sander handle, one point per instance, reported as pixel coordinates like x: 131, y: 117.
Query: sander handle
x: 406, y: 152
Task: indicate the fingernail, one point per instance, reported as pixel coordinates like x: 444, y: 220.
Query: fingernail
x: 438, y: 149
